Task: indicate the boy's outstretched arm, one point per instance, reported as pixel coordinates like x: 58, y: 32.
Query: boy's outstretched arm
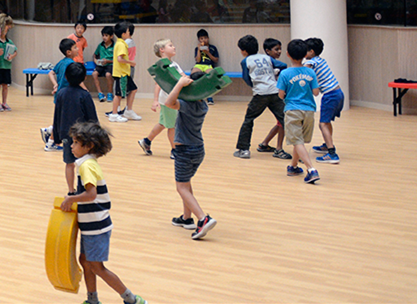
x: 172, y: 101
x: 278, y: 64
x: 156, y: 91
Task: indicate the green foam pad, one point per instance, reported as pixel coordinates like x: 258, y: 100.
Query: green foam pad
x: 208, y: 85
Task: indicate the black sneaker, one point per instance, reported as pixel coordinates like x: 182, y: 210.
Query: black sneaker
x: 203, y: 227
x: 119, y: 112
x: 186, y: 224
x: 265, y: 148
x: 145, y: 147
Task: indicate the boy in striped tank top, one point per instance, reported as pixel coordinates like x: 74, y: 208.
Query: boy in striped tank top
x: 331, y: 102
x: 90, y: 142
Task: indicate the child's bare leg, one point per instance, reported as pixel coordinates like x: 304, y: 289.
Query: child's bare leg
x: 207, y: 71
x: 190, y: 203
x: 300, y: 152
x: 281, y: 135
x: 270, y: 136
x: 70, y: 176
x: 158, y: 128
x: 4, y: 93
x: 326, y: 129
x: 195, y: 70
x: 109, y: 79
x: 89, y: 276
x: 130, y: 98
x: 109, y: 277
x: 96, y: 81
x: 171, y: 136
x: 116, y: 103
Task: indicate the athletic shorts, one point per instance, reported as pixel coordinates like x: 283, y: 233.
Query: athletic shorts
x: 331, y: 105
x: 299, y: 126
x: 167, y: 117
x: 187, y: 160
x: 69, y: 158
x: 96, y: 247
x: 123, y: 86
x: 5, y: 76
x: 203, y: 67
x: 102, y: 70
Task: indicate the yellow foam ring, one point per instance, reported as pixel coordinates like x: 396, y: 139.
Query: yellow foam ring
x: 61, y: 264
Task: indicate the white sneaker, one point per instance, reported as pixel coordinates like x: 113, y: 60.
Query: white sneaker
x: 130, y: 114
x: 117, y: 118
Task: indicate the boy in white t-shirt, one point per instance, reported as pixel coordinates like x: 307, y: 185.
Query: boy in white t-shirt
x: 163, y: 48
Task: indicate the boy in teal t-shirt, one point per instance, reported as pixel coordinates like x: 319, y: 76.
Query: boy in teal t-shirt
x: 8, y: 52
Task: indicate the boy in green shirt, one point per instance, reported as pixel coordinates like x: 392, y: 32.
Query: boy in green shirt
x: 7, y: 54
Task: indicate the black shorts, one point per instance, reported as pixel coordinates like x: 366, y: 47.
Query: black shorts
x: 5, y: 76
x: 102, y: 70
x: 122, y: 88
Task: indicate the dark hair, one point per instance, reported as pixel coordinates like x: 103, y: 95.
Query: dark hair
x: 120, y: 28
x: 202, y: 33
x: 131, y: 28
x: 65, y: 45
x: 197, y: 75
x: 92, y: 134
x: 107, y: 30
x: 81, y: 23
x: 297, y: 49
x: 315, y: 44
x: 249, y: 44
x: 75, y: 73
x: 269, y: 43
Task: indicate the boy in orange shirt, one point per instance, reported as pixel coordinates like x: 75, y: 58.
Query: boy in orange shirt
x: 80, y: 28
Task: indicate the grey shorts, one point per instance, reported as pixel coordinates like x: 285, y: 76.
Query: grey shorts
x: 187, y: 161
x: 299, y: 126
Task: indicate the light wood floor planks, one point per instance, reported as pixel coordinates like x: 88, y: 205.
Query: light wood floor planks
x: 352, y: 238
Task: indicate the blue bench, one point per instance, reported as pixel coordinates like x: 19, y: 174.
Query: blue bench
x: 32, y: 73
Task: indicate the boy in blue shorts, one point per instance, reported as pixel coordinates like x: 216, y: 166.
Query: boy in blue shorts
x: 297, y: 85
x: 90, y: 142
x: 189, y: 154
x: 163, y: 48
x: 258, y: 73
x: 331, y: 102
x: 103, y: 58
x: 206, y: 55
x: 73, y: 104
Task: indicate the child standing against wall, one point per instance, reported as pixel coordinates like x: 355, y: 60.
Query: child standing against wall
x: 8, y: 52
x: 77, y: 36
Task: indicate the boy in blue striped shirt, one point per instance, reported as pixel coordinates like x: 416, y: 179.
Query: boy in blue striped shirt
x: 331, y: 102
x: 91, y: 141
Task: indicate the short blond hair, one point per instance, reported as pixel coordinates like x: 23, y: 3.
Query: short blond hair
x: 5, y: 20
x: 159, y: 44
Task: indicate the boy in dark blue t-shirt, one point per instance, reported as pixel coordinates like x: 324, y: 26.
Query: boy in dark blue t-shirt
x: 73, y: 104
x: 206, y: 56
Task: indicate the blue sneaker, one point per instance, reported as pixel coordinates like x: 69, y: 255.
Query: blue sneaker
x: 45, y: 135
x: 53, y: 148
x: 311, y: 177
x: 293, y: 171
x: 109, y: 97
x: 321, y: 149
x: 328, y: 158
x: 210, y: 101
x: 101, y: 97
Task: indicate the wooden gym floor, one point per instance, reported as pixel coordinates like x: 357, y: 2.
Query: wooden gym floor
x: 351, y: 238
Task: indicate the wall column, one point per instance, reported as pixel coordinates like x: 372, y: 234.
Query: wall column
x: 325, y: 19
